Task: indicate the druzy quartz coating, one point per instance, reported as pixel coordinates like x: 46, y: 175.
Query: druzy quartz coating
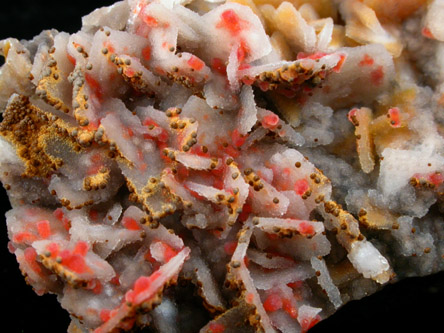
x: 280, y: 159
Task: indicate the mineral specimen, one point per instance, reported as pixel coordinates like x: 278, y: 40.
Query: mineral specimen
x: 278, y: 159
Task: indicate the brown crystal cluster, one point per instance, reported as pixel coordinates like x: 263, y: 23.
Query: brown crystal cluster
x: 278, y: 159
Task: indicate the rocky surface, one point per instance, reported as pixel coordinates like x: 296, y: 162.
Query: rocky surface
x: 380, y: 194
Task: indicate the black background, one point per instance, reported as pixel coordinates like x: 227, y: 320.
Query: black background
x: 411, y: 305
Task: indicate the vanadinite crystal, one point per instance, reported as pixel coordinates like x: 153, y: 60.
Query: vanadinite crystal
x: 225, y: 166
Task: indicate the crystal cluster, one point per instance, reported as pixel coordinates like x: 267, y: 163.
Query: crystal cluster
x: 277, y: 158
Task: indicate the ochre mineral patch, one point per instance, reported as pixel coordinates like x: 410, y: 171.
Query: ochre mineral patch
x: 281, y: 158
